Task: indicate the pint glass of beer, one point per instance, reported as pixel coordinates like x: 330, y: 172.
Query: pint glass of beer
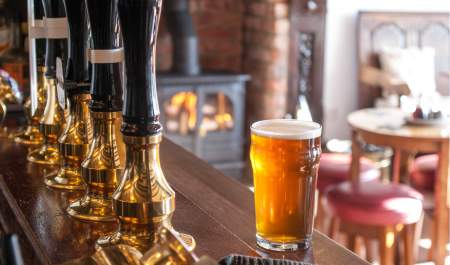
x: 285, y: 158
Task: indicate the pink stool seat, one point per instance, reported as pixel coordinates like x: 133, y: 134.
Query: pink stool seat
x: 423, y: 172
x: 334, y: 168
x: 374, y: 203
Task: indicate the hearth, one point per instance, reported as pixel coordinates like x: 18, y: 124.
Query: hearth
x: 205, y: 114
x: 201, y: 111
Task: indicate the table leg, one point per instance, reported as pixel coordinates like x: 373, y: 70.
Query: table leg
x: 401, y: 164
x: 441, y: 218
x: 356, y: 155
x: 396, y: 166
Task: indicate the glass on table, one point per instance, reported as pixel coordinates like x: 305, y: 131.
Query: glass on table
x: 285, y: 157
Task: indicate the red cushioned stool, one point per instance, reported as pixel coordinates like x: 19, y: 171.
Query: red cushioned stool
x: 376, y: 210
x: 334, y: 168
x: 422, y: 177
x: 423, y: 172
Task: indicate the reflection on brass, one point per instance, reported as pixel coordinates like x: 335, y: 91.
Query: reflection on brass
x: 102, y: 169
x: 3, y: 131
x: 27, y: 113
x: 144, y: 201
x: 115, y: 255
x: 9, y: 90
x: 169, y: 249
x: 73, y: 145
x: 31, y: 135
x: 50, y: 126
x: 9, y: 94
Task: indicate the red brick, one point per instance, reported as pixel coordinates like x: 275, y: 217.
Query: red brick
x: 267, y: 9
x: 267, y: 24
x: 243, y: 35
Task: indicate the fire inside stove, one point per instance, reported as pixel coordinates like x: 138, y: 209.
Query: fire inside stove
x: 182, y: 117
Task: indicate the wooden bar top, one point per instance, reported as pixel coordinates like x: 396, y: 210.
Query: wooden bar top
x: 215, y: 209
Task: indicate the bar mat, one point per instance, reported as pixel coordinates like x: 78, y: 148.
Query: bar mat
x: 235, y: 259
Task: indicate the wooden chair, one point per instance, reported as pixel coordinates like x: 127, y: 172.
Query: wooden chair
x: 377, y: 30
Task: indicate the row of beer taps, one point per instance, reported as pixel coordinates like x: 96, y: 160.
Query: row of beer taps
x: 101, y: 132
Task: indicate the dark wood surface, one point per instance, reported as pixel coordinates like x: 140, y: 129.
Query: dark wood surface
x: 215, y: 209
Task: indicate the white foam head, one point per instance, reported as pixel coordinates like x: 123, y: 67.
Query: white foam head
x: 287, y: 129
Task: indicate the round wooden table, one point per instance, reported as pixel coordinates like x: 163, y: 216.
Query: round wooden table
x: 387, y: 127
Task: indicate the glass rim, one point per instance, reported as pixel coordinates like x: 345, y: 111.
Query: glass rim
x: 310, y: 129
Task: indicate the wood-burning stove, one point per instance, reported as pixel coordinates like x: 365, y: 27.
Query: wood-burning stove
x: 203, y: 112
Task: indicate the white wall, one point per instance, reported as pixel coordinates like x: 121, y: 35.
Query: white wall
x: 340, y: 84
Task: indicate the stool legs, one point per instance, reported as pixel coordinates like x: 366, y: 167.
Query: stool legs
x: 334, y: 228
x: 369, y: 246
x: 408, y: 241
x: 386, y: 239
x: 352, y: 243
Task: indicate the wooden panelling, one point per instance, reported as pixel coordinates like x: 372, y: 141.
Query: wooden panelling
x: 400, y: 30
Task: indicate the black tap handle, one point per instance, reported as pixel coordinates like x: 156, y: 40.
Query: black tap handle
x: 77, y: 67
x: 38, y: 9
x: 40, y: 43
x: 139, y: 21
x: 106, y: 87
x: 54, y: 47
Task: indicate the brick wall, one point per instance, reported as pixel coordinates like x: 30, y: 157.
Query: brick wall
x: 250, y: 36
x: 266, y: 45
x: 220, y: 32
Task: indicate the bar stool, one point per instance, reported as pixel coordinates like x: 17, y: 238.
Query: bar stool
x: 334, y: 169
x: 379, y: 211
x: 423, y: 172
x: 422, y: 176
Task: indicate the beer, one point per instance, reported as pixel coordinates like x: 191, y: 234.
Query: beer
x: 285, y: 158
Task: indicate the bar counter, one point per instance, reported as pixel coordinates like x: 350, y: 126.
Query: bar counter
x: 215, y: 209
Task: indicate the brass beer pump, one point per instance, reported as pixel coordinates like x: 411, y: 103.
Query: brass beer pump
x: 36, y: 102
x: 52, y: 120
x: 9, y: 94
x: 104, y: 165
x: 144, y: 201
x: 169, y: 249
x: 77, y: 135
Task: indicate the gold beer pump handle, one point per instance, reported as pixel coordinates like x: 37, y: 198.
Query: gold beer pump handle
x: 143, y: 201
x: 52, y: 120
x: 77, y: 135
x: 105, y: 162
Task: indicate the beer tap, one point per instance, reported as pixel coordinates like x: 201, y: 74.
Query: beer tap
x: 53, y: 118
x: 144, y: 200
x: 105, y: 162
x: 36, y: 42
x: 77, y: 134
x: 169, y: 249
x: 9, y: 94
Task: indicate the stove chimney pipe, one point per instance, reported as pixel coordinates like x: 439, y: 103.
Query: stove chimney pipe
x: 184, y: 37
